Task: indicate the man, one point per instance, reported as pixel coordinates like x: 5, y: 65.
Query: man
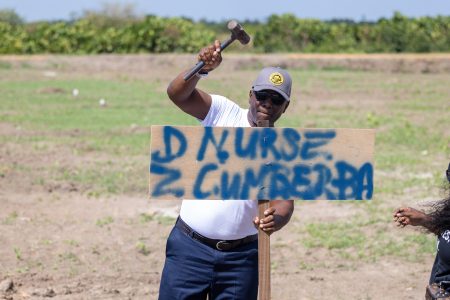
x: 213, y: 248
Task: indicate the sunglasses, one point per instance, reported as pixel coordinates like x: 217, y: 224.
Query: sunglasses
x: 276, y: 98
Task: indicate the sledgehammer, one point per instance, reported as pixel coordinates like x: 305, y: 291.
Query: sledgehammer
x: 237, y: 33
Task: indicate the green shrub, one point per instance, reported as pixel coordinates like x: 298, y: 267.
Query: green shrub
x: 111, y: 33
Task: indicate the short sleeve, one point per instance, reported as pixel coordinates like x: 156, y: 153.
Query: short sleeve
x: 223, y: 112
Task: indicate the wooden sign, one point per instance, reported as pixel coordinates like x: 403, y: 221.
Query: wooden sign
x: 193, y: 162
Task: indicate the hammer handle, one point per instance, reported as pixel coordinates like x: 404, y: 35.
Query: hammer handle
x: 201, y: 63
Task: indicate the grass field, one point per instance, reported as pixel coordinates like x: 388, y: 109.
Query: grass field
x: 67, y: 162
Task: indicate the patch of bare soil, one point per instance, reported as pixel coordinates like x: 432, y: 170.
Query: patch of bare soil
x: 141, y: 64
x: 74, y: 247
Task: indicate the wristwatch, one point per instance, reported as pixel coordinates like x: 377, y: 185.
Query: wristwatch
x: 202, y: 74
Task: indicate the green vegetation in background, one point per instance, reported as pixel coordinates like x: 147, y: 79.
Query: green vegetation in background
x: 152, y: 34
x: 367, y: 239
x: 119, y: 30
x: 286, y: 33
x: 116, y: 128
x: 11, y: 17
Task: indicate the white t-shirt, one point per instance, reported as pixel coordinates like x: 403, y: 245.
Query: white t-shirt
x: 222, y: 219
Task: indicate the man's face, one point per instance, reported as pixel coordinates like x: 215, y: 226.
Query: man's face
x: 266, y: 105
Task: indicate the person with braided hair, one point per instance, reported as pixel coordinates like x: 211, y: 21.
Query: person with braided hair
x: 436, y: 221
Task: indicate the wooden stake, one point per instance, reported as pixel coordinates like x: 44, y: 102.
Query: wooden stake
x: 263, y: 246
x: 263, y: 256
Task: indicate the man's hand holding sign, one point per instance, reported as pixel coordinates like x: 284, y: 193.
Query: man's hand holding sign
x: 229, y: 164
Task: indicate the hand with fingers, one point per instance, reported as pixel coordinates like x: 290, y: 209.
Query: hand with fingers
x: 211, y: 56
x: 270, y: 223
x: 409, y: 216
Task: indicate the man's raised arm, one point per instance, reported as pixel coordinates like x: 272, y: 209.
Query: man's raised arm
x: 185, y: 95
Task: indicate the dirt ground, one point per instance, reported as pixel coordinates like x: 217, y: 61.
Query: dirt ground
x: 57, y: 242
x: 67, y: 256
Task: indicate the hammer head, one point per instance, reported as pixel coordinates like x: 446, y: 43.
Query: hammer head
x: 238, y: 33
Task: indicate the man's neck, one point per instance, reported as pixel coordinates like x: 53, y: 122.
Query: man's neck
x: 253, y: 124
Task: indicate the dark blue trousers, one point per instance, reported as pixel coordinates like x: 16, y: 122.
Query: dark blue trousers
x: 193, y: 271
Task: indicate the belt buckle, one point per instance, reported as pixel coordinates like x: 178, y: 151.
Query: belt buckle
x: 222, y: 245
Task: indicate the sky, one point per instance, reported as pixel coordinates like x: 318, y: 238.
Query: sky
x: 368, y: 10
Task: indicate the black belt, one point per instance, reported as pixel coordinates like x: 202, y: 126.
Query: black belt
x: 222, y: 245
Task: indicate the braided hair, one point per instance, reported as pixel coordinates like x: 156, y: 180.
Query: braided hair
x: 440, y: 210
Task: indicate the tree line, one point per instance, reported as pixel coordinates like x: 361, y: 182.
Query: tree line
x: 100, y: 32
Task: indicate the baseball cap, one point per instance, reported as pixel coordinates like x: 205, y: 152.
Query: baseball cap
x: 275, y: 79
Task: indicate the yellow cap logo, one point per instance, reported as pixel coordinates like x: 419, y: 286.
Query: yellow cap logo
x: 276, y: 78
